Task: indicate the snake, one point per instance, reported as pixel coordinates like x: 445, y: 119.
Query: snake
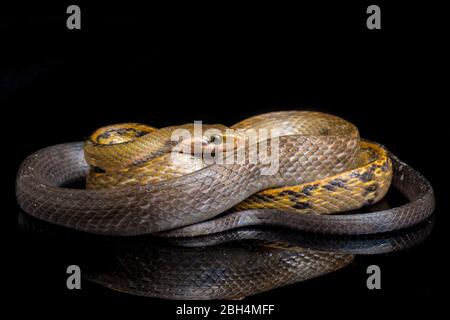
x: 139, y: 180
x: 273, y: 259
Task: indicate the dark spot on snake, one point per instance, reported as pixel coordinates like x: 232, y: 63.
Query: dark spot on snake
x: 98, y: 169
x: 329, y: 187
x: 302, y: 205
x: 366, y: 176
x: 307, y: 190
x: 338, y: 183
x: 260, y: 197
x: 140, y: 133
x: 287, y: 193
x: 264, y: 197
x: 369, y: 202
x: 371, y: 188
x: 355, y: 174
x: 104, y: 135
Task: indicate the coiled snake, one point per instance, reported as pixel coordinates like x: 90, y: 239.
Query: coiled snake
x: 140, y: 180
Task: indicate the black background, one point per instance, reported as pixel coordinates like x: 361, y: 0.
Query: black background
x: 171, y: 64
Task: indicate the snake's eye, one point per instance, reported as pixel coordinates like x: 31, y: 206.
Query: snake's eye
x: 215, y: 138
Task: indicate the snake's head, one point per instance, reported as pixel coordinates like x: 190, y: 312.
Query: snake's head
x: 208, y: 139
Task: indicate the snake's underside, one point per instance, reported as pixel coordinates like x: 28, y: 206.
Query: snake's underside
x: 134, y: 187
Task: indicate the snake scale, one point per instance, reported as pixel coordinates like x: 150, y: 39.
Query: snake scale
x: 137, y: 184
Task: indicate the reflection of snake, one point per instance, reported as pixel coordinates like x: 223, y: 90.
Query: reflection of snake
x: 219, y: 272
x: 351, y: 244
x: 269, y: 259
x: 327, y: 168
x: 272, y: 259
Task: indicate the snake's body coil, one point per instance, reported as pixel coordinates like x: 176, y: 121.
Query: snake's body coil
x: 134, y: 187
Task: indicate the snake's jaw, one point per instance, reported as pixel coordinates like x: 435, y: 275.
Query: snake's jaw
x: 193, y: 146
